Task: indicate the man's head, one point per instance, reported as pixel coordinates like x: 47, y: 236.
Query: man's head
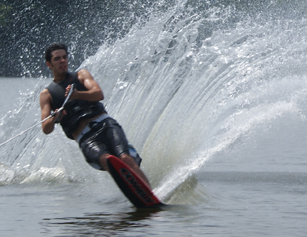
x: 56, y: 59
x: 53, y: 47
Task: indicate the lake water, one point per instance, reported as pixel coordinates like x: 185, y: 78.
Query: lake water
x: 213, y: 98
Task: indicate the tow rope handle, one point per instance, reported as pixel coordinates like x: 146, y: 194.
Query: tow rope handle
x: 60, y: 110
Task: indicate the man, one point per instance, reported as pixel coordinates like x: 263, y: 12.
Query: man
x: 84, y: 118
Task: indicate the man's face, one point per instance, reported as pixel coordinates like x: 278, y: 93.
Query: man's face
x: 59, y: 61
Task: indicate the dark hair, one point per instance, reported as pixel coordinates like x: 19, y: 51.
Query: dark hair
x: 53, y: 47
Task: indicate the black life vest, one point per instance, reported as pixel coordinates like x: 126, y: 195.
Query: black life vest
x: 75, y: 109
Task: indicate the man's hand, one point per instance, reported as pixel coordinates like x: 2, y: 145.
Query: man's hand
x: 67, y: 90
x: 58, y: 116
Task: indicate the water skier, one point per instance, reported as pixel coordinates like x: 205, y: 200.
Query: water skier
x: 84, y: 117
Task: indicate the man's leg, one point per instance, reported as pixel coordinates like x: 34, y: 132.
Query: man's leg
x: 128, y: 160
x: 131, y: 163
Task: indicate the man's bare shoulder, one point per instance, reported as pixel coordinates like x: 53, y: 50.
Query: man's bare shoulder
x: 84, y: 74
x: 44, y: 92
x: 82, y: 71
x: 45, y: 95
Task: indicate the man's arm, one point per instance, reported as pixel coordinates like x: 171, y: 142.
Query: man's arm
x: 93, y: 92
x: 45, y: 104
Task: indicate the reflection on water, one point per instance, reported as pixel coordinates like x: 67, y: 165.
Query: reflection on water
x: 105, y: 223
